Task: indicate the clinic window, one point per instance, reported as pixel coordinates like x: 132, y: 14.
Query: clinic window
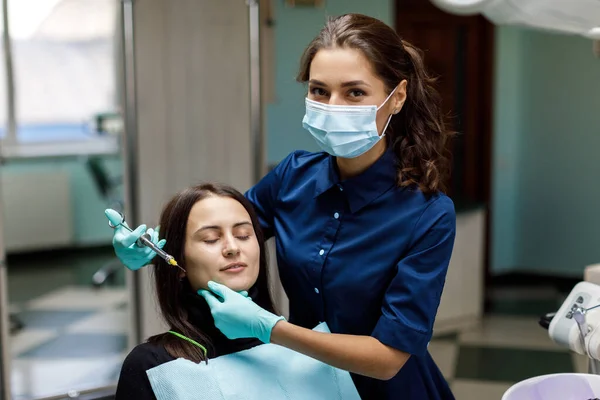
x: 63, y: 70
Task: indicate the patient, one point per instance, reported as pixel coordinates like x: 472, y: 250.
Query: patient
x: 214, y: 234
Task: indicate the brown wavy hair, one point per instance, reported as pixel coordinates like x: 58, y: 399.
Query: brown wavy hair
x: 417, y: 134
x: 174, y: 293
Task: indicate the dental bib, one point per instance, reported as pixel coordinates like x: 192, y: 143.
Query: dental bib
x: 268, y: 371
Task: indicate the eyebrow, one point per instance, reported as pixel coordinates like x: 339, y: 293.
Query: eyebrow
x: 216, y: 227
x: 344, y: 84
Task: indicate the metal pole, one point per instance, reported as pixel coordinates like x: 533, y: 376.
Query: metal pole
x: 11, y: 123
x: 256, y: 118
x: 5, y: 355
x: 130, y: 143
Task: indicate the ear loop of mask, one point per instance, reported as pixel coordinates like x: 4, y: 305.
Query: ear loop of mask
x: 391, y: 115
x: 387, y: 98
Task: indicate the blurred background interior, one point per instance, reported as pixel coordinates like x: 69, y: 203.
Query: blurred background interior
x: 525, y: 172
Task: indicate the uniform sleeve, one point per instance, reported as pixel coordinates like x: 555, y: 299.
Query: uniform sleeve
x: 133, y: 381
x: 264, y: 195
x: 411, y: 301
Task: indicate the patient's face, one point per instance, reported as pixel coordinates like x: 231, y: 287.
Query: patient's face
x: 221, y: 245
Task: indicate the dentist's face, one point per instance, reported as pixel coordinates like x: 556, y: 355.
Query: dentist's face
x: 221, y: 245
x: 344, y: 76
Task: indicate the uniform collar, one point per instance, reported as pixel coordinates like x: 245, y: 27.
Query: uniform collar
x: 361, y: 189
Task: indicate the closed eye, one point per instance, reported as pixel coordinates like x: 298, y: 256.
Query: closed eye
x: 244, y: 237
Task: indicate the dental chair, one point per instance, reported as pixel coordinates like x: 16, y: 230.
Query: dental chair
x: 575, y: 326
x: 107, y: 186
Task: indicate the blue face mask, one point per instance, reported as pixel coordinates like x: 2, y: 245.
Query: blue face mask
x: 344, y: 131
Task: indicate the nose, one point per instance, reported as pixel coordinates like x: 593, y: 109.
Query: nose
x: 230, y: 249
x: 336, y: 100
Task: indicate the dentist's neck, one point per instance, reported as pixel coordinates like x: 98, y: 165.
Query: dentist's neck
x: 350, y: 167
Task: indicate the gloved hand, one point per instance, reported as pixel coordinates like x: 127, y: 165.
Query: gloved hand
x: 238, y: 316
x: 131, y: 255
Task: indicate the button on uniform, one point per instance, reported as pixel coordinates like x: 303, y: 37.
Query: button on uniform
x: 316, y: 291
x: 321, y: 252
x: 336, y: 215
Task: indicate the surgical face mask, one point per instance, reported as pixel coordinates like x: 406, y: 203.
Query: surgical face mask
x: 344, y: 131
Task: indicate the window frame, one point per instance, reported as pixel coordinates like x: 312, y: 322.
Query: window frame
x: 11, y: 147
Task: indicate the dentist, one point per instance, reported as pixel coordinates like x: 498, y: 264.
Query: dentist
x: 364, y: 232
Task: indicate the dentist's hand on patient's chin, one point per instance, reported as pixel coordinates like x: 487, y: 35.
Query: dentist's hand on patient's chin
x: 238, y: 316
x: 131, y: 255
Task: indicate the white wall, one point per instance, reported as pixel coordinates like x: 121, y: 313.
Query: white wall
x: 193, y: 106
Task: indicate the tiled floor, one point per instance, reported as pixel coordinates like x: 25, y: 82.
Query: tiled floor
x: 77, y: 346
x: 76, y: 337
x: 509, y: 346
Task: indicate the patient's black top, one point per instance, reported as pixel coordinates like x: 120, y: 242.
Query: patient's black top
x: 133, y: 381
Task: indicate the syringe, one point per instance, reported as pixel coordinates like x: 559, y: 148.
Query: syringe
x: 115, y: 219
x: 146, y: 240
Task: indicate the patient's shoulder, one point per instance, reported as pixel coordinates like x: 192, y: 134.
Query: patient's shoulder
x: 133, y: 380
x: 145, y: 356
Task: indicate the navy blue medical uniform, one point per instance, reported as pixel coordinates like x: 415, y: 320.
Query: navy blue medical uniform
x: 363, y: 255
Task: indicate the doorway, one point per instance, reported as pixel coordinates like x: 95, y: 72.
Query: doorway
x: 459, y: 50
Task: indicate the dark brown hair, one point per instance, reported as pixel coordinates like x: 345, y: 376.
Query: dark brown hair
x: 173, y: 292
x: 417, y: 134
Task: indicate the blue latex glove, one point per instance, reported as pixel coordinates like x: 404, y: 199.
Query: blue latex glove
x: 238, y: 316
x: 131, y: 255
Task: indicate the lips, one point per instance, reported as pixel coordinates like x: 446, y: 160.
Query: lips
x: 234, y: 266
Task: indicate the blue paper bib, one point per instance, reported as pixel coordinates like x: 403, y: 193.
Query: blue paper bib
x: 264, y: 372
